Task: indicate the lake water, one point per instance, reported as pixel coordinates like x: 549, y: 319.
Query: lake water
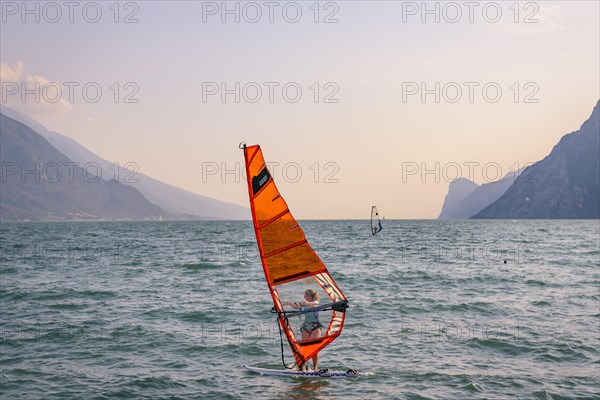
x: 174, y: 309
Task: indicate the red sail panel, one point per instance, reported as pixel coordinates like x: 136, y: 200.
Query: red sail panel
x: 290, y: 264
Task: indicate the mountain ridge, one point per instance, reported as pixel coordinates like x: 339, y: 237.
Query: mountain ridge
x: 174, y: 200
x: 40, y: 183
x: 563, y: 185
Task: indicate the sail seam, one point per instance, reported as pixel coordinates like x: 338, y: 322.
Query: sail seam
x: 291, y: 246
x: 281, y: 214
x: 293, y: 277
x: 252, y: 157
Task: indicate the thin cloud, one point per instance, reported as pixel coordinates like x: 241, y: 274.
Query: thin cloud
x: 17, y: 92
x: 547, y: 19
x: 97, y: 120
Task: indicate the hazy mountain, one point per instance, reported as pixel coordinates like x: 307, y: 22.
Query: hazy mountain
x: 41, y: 183
x: 170, y: 198
x: 565, y: 184
x: 458, y: 190
x: 475, y: 200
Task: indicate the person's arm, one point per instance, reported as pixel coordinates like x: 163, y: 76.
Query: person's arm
x: 294, y: 305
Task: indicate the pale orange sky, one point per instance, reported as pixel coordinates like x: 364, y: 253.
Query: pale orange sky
x: 368, y: 61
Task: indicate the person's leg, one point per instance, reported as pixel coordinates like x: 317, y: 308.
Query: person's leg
x: 305, y: 336
x: 315, y: 335
x: 315, y: 361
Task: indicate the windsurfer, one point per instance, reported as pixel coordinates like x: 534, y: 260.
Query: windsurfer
x: 311, y: 327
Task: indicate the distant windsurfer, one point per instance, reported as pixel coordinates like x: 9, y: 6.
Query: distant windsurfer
x: 311, y: 327
x: 375, y: 227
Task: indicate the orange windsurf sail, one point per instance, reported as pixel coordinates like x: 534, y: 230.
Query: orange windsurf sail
x: 291, y: 267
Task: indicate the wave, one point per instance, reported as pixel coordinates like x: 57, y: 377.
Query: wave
x: 200, y: 266
x: 159, y: 382
x: 535, y: 282
x: 507, y: 346
x: 541, y: 303
x: 67, y: 306
x: 196, y: 316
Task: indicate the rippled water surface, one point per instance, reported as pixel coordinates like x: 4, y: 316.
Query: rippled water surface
x: 174, y: 309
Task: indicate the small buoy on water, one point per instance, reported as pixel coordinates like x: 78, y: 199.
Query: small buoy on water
x: 504, y: 261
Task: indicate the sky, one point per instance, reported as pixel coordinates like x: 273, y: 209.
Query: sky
x: 354, y: 103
